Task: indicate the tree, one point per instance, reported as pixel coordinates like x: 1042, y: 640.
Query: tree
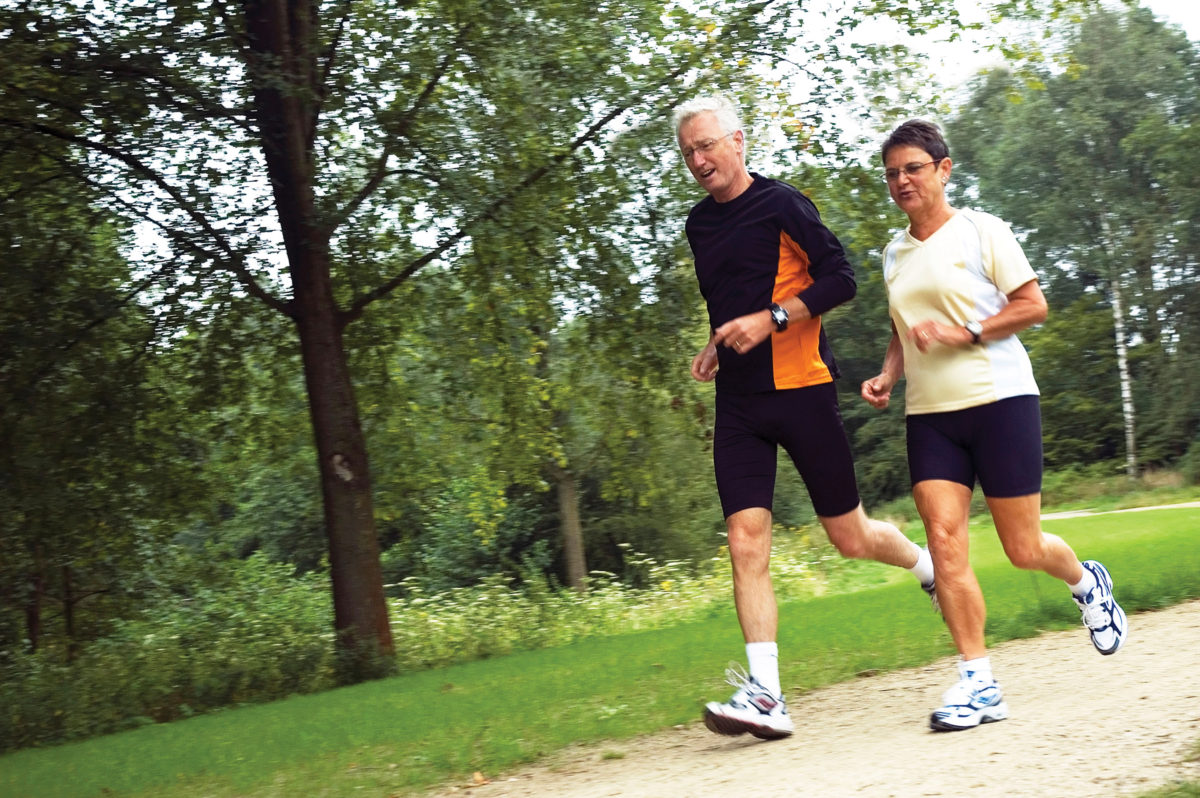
x: 92, y: 454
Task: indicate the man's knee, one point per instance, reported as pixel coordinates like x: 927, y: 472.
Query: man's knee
x: 749, y: 534
x: 849, y: 533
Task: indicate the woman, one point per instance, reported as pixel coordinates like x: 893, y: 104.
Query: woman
x: 959, y: 288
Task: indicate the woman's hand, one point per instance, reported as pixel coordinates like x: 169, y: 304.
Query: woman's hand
x: 927, y: 333
x: 878, y: 391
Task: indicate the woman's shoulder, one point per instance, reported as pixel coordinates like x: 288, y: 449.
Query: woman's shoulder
x: 983, y: 220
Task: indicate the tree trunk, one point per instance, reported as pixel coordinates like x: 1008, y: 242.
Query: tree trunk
x: 572, y: 529
x: 282, y: 60
x: 359, y: 604
x: 1118, y: 309
x: 33, y: 610
x: 68, y: 602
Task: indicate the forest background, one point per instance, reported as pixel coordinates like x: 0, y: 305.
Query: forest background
x: 250, y: 243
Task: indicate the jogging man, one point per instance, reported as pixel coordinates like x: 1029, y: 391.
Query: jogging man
x: 768, y: 268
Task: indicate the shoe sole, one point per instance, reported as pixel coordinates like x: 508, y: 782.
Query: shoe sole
x: 732, y: 727
x: 990, y: 715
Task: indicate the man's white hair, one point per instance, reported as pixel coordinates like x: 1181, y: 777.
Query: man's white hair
x: 720, y: 106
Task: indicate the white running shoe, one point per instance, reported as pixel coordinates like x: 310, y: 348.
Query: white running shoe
x: 1101, y: 613
x: 970, y: 702
x: 752, y: 709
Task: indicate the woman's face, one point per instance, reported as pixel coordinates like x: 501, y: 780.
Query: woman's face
x: 916, y: 182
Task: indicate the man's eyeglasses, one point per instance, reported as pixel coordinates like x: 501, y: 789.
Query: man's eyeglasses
x: 704, y: 146
x: 912, y: 169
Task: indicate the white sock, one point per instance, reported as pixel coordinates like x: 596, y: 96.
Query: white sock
x: 978, y: 669
x: 923, y: 570
x: 1085, y: 585
x: 764, y: 665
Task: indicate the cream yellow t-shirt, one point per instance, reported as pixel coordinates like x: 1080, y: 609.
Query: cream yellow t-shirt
x: 963, y: 272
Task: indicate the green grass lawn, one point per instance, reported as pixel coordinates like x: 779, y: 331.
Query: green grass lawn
x: 408, y: 732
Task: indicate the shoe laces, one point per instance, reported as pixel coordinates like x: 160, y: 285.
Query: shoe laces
x: 1096, y: 615
x: 736, y: 676
x: 965, y: 689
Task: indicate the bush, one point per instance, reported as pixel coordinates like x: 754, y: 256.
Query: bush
x: 259, y: 635
x: 1189, y: 464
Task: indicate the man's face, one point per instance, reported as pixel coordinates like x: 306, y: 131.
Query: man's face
x: 713, y: 156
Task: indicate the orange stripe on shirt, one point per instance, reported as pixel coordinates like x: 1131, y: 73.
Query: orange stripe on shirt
x: 796, y: 352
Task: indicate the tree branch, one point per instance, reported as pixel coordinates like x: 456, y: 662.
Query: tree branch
x: 232, y: 262
x: 380, y: 172
x: 359, y: 305
x: 320, y: 88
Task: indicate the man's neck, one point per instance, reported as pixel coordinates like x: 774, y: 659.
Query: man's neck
x: 735, y: 190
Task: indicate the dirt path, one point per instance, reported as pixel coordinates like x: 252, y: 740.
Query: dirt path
x: 1080, y: 725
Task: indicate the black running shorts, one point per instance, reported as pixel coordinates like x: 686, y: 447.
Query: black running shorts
x: 1000, y: 443
x: 807, y: 424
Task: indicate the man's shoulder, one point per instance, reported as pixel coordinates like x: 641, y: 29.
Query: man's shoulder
x: 773, y: 186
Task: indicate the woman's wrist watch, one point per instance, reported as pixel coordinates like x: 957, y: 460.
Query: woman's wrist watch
x: 976, y: 331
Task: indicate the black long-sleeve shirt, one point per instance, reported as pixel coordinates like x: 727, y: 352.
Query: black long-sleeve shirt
x: 765, y: 245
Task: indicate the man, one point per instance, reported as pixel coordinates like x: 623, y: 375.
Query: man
x: 768, y: 268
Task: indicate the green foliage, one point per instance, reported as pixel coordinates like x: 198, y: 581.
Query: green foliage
x: 1189, y: 466
x: 215, y: 633
x: 1081, y: 404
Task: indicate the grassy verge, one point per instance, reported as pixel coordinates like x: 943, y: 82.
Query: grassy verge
x: 397, y: 735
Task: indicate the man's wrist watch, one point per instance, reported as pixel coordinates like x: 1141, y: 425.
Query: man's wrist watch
x: 779, y: 315
x: 976, y: 331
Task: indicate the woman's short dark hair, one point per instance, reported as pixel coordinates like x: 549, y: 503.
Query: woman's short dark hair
x: 918, y: 133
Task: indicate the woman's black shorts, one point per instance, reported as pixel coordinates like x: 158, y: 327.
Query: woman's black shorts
x: 807, y: 424
x: 1000, y: 443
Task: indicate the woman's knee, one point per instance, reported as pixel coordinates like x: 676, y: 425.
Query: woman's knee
x: 1026, y: 554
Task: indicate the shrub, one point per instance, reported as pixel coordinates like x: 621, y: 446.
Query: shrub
x: 261, y: 634
x: 1189, y: 464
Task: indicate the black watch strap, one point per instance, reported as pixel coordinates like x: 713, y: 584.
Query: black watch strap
x: 779, y: 315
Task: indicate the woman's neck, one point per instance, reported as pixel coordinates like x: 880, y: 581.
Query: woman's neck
x: 929, y: 223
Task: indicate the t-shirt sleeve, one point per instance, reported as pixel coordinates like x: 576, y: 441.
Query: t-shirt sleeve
x: 1004, y: 260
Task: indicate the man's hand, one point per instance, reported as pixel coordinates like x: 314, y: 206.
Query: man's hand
x: 704, y: 365
x: 745, y: 332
